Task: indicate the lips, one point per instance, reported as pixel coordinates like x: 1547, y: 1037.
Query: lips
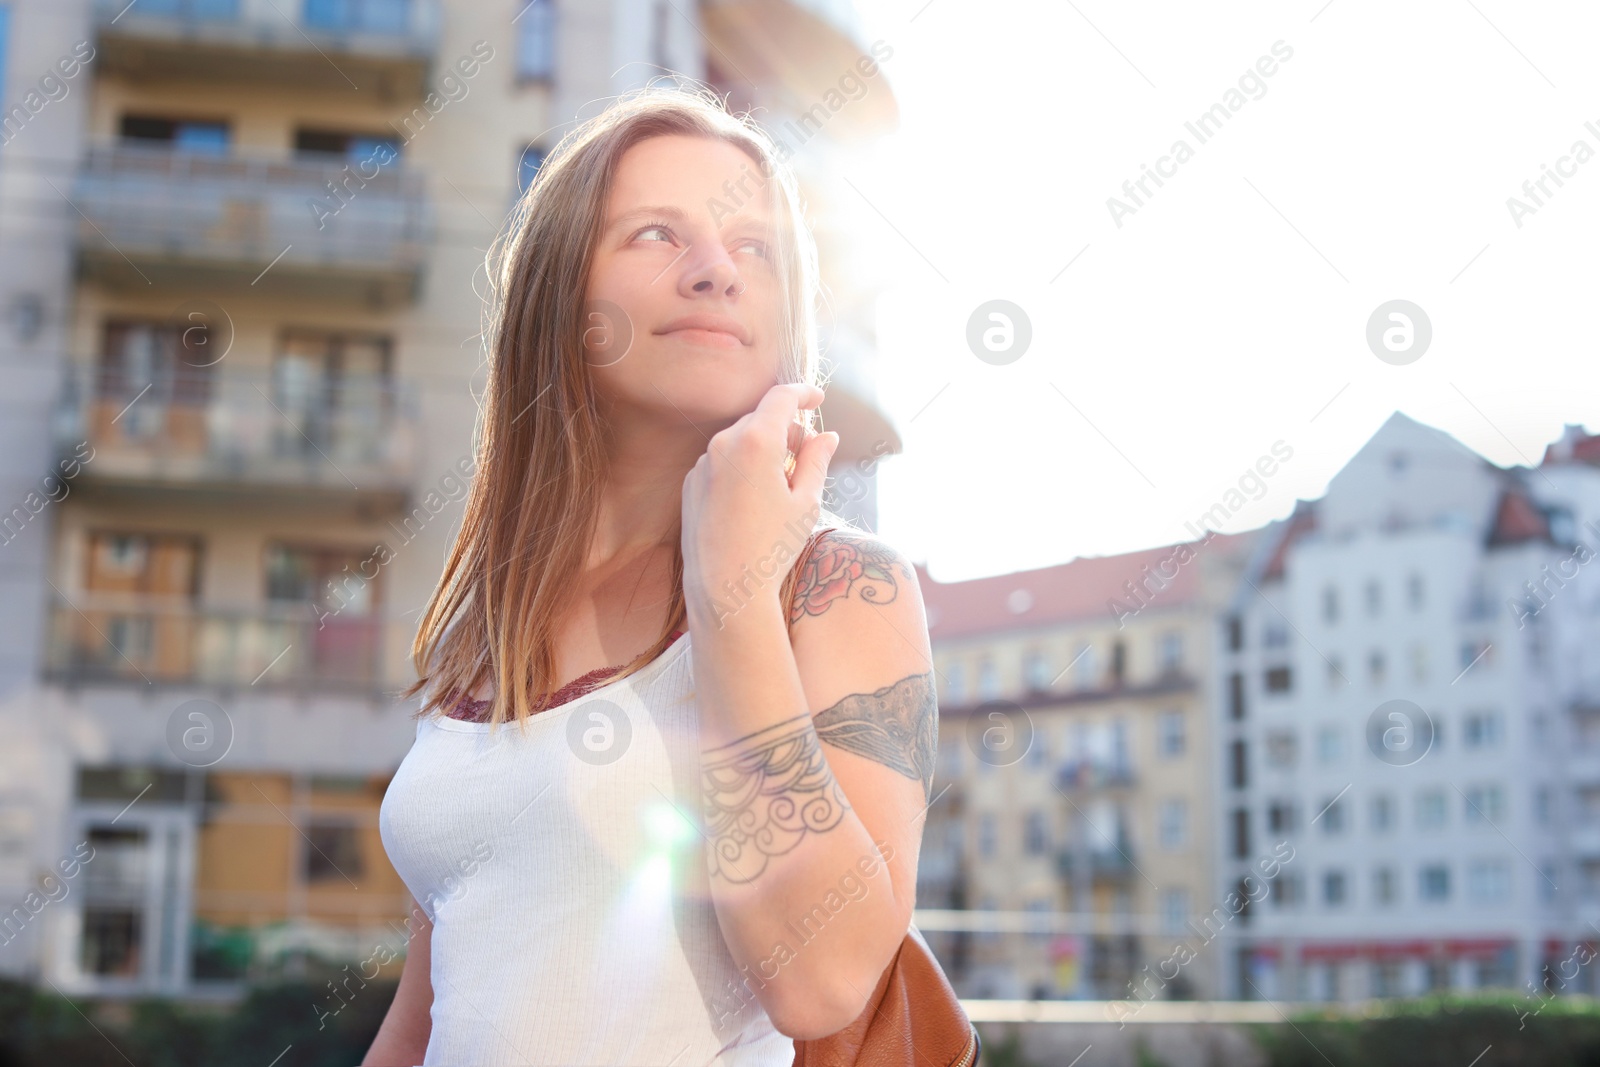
x: 708, y: 329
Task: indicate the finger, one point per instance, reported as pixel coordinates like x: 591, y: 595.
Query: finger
x: 811, y: 465
x: 778, y: 407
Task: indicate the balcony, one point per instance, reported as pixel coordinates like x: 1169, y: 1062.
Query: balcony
x: 306, y: 228
x: 1091, y: 775
x: 241, y: 434
x: 1099, y: 863
x: 382, y: 47
x: 145, y: 642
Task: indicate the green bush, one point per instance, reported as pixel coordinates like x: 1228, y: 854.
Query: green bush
x: 40, y: 1029
x: 1447, y: 1031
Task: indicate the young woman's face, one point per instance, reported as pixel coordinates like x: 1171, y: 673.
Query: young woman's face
x: 686, y: 258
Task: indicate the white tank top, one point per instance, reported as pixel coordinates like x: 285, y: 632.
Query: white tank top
x: 573, y: 921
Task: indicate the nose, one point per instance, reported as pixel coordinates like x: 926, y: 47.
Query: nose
x: 713, y: 271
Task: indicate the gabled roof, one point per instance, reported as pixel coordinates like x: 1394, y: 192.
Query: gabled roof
x: 1517, y: 519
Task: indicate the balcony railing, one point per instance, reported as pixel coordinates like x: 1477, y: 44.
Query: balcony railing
x: 1091, y: 775
x: 140, y: 641
x: 220, y: 431
x: 329, y: 229
x: 383, y: 46
x: 1102, y: 863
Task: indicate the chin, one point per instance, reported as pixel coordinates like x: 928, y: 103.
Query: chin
x: 710, y: 398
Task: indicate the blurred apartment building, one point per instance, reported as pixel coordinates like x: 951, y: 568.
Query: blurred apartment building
x: 1076, y: 772
x: 1409, y: 696
x: 239, y: 322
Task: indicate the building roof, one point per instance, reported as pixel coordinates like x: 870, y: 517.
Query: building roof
x: 1517, y: 519
x: 1066, y: 592
x: 1576, y: 445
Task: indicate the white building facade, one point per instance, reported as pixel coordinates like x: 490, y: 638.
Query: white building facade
x: 1405, y: 708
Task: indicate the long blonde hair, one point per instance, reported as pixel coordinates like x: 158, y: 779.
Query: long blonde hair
x: 532, y: 509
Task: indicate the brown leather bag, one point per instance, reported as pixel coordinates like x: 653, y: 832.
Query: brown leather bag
x: 912, y: 1019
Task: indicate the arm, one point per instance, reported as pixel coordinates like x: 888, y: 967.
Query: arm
x: 403, y: 1038
x: 818, y: 740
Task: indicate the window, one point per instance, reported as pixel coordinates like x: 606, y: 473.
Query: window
x: 1332, y: 817
x: 1282, y: 749
x: 1174, y: 824
x: 1336, y: 675
x: 1330, y: 605
x: 1485, y: 804
x: 1433, y: 883
x: 144, y: 565
x: 528, y: 165
x: 1382, y: 813
x: 1038, y: 752
x: 1384, y: 885
x: 1239, y: 761
x: 333, y: 853
x: 1488, y: 882
x: 169, y: 369
x: 355, y: 147
x: 1386, y: 978
x: 1419, y: 662
x: 536, y: 52
x: 1274, y: 634
x: 1246, y: 903
x: 1280, y: 817
x: 987, y: 832
x: 367, y: 16
x: 1170, y: 735
x: 1171, y: 652
x: 1330, y: 745
x: 988, y: 679
x: 1483, y: 729
x: 1472, y: 650
x: 330, y: 580
x: 1414, y: 591
x: 1286, y: 889
x: 1235, y: 633
x: 1035, y: 835
x: 1377, y: 667
x: 1036, y: 670
x: 1236, y: 696
x: 1374, y: 593
x: 1084, y: 676
x: 1174, y: 910
x: 1333, y: 888
x: 112, y: 940
x: 1277, y: 680
x: 1430, y: 809
x: 182, y: 135
x: 1241, y: 833
x: 335, y: 395
x: 1119, y: 663
x: 1541, y: 805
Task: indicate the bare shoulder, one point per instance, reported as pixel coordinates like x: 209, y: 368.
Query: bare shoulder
x: 845, y: 565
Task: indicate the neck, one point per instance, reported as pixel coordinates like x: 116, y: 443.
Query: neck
x: 641, y: 502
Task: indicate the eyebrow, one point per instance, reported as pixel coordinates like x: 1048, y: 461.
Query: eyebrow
x: 738, y: 222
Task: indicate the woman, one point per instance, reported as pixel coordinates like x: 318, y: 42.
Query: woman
x: 703, y: 846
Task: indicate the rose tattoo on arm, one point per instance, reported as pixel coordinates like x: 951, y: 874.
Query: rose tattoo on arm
x: 836, y: 564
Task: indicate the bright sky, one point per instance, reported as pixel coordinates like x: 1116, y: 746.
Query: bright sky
x: 1230, y: 311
